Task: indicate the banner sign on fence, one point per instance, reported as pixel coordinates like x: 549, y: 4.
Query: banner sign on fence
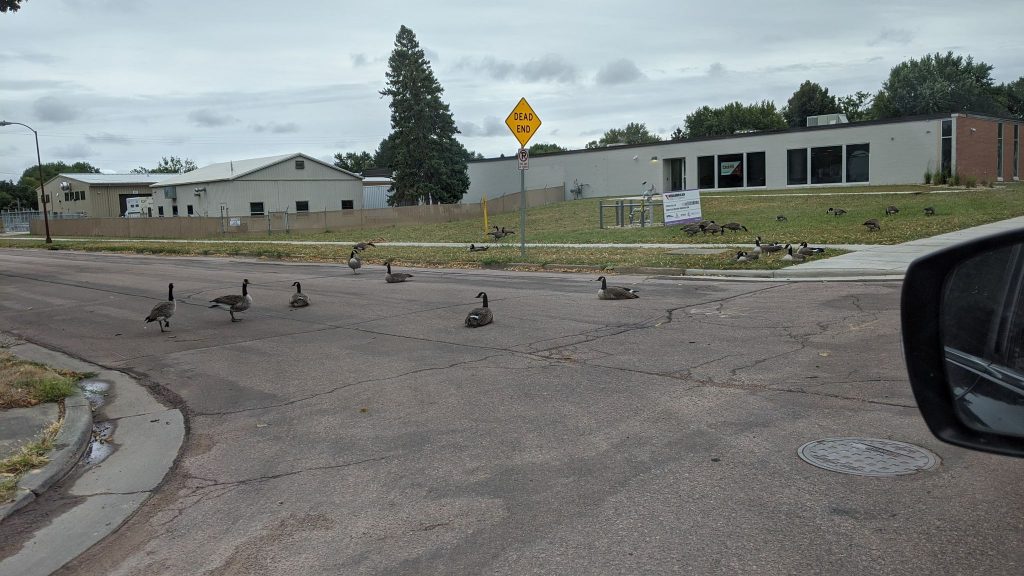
x: 234, y: 221
x: 682, y: 207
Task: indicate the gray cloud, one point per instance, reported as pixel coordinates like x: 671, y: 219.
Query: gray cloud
x: 54, y: 109
x: 892, y: 36
x: 32, y: 57
x: 107, y: 138
x: 275, y: 128
x: 359, y: 59
x: 73, y: 152
x: 492, y: 127
x: 716, y: 69
x: 209, y: 119
x: 24, y: 85
x: 621, y: 71
x: 548, y: 68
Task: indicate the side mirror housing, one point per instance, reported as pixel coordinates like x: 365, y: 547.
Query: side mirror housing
x: 962, y: 314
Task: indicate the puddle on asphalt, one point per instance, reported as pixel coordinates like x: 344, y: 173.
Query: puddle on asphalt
x: 95, y: 391
x: 101, y: 444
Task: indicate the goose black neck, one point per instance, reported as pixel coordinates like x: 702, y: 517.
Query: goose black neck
x: 298, y: 287
x: 389, y: 267
x: 604, y: 283
x: 170, y: 292
x: 485, y: 300
x: 245, y: 288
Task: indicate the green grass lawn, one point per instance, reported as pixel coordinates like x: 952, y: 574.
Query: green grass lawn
x: 577, y: 221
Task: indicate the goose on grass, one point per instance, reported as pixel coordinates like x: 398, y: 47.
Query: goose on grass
x: 299, y: 300
x: 479, y: 316
x: 475, y: 248
x: 164, y: 310
x: 234, y: 302
x: 607, y: 292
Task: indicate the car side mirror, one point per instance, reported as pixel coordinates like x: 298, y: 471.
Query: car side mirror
x: 962, y: 315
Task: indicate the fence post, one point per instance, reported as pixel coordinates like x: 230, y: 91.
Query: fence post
x: 600, y: 215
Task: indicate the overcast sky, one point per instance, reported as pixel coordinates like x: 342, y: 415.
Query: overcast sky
x: 120, y: 83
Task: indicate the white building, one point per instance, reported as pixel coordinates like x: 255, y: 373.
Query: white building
x: 897, y: 151
x: 295, y: 183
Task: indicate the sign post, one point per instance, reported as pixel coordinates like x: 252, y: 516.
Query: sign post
x: 523, y: 123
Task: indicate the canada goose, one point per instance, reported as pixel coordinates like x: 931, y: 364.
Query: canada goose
x: 742, y: 256
x: 354, y: 262
x: 392, y: 278
x: 299, y: 300
x: 498, y: 234
x: 475, y: 248
x: 734, y: 226
x: 691, y: 229
x: 808, y: 251
x: 233, y: 302
x: 479, y: 316
x: 790, y: 256
x: 872, y: 225
x: 712, y: 228
x: 757, y: 246
x: 890, y: 210
x: 362, y: 246
x: 614, y: 292
x: 164, y: 310
x: 781, y: 218
x: 835, y: 211
x: 769, y: 248
x: 929, y: 211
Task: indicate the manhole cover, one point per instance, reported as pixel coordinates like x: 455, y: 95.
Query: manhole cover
x: 867, y: 456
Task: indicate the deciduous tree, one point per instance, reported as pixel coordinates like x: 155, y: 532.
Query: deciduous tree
x: 30, y: 177
x: 10, y: 5
x: 810, y: 99
x: 168, y: 165
x: 733, y: 118
x: 356, y: 162
x: 937, y: 83
x: 857, y: 106
x: 633, y: 133
x: 540, y: 148
x: 427, y: 160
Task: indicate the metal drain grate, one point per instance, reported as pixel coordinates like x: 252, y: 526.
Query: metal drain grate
x: 867, y: 456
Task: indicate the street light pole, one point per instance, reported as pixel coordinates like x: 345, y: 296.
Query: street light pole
x: 42, y: 189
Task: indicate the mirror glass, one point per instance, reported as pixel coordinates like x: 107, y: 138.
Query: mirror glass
x: 982, y: 327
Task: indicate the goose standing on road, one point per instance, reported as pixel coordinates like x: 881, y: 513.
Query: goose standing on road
x: 394, y: 278
x: 164, y: 310
x: 299, y: 300
x: 479, y: 316
x: 233, y: 302
x: 607, y: 292
x: 354, y: 262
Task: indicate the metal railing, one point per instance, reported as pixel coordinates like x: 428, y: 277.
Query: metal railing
x: 629, y: 213
x: 18, y: 220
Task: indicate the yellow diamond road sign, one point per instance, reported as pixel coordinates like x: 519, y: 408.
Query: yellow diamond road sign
x: 523, y: 122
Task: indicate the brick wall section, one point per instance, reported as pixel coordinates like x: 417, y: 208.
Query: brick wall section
x: 1008, y: 150
x: 976, y: 150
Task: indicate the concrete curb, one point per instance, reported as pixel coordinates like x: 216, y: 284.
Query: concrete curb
x: 69, y: 445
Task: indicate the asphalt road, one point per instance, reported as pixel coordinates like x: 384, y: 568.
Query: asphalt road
x: 372, y: 433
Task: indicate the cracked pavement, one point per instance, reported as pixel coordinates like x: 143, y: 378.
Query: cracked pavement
x: 372, y: 433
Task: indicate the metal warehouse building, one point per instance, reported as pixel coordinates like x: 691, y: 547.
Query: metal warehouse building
x: 293, y: 183
x: 95, y: 195
x: 897, y: 151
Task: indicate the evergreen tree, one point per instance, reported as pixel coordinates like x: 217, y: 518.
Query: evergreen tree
x: 427, y: 160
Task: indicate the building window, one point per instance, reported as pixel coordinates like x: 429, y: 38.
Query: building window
x: 256, y: 209
x: 174, y: 210
x: 67, y: 196
x: 300, y: 164
x: 675, y: 174
x: 999, y: 150
x: 755, y: 169
x: 947, y: 147
x: 730, y: 170
x: 302, y: 205
x: 190, y: 211
x: 796, y: 166
x: 347, y: 205
x: 160, y: 211
x: 858, y: 158
x: 1016, y: 151
x: 706, y: 172
x: 827, y: 165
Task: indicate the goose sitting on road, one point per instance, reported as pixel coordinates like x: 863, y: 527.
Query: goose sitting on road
x: 475, y: 248
x: 808, y: 251
x: 363, y: 246
x: 873, y: 225
x: 395, y: 277
x: 835, y: 211
x: 354, y: 262
x: 929, y: 211
x: 890, y: 210
x: 299, y: 300
x: 614, y: 292
x: 734, y: 226
x: 479, y: 316
x: 742, y: 256
x: 791, y: 256
x: 234, y: 302
x: 164, y: 310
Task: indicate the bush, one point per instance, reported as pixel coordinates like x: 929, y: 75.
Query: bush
x: 940, y: 178
x: 970, y: 181
x: 927, y: 176
x: 53, y: 389
x: 955, y: 180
